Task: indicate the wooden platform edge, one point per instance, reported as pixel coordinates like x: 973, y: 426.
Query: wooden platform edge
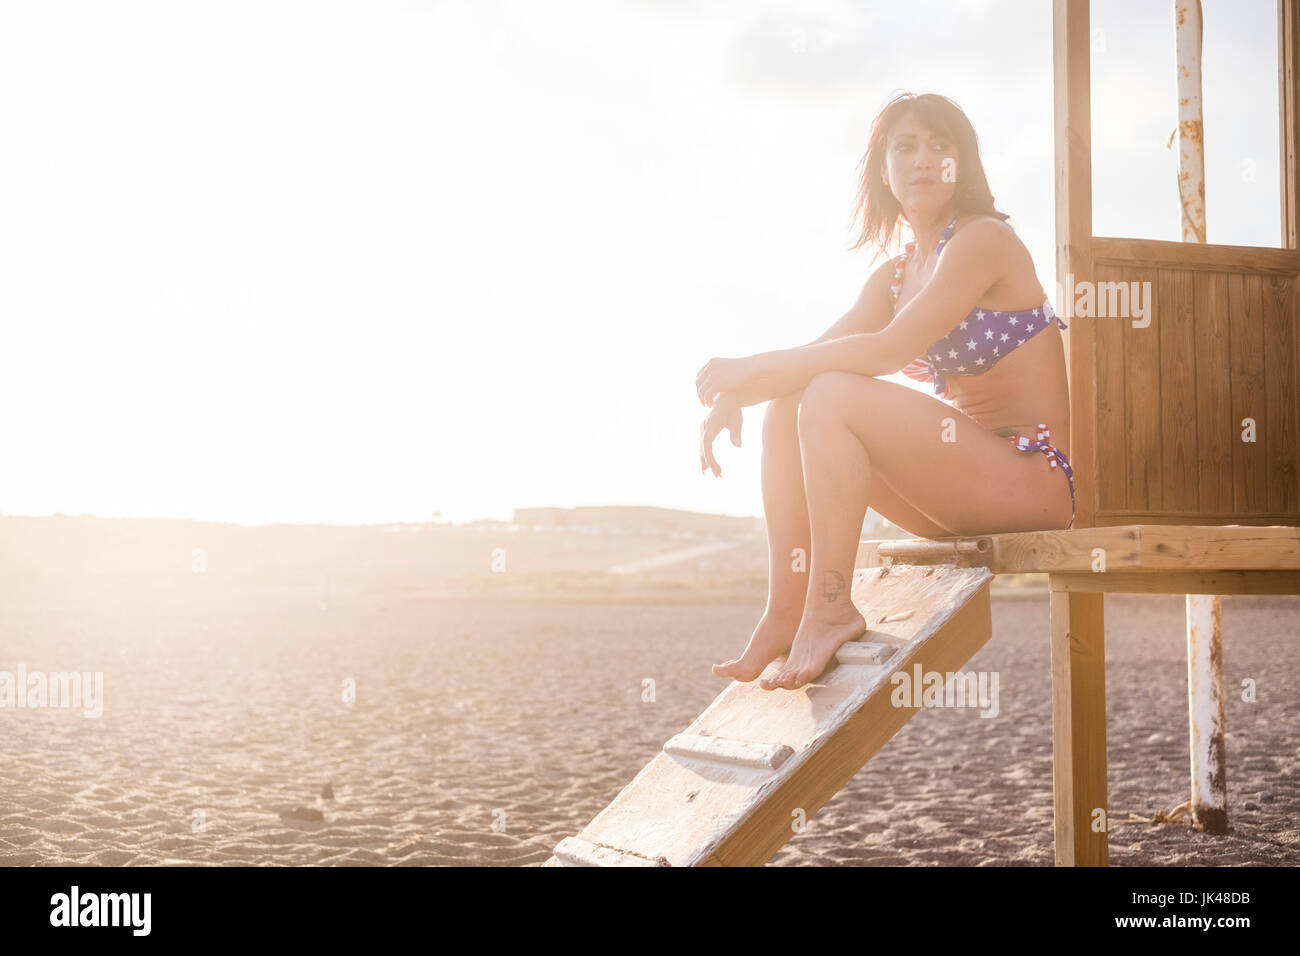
x: 1136, y: 547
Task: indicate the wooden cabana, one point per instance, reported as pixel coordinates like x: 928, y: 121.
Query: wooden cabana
x: 1185, y: 438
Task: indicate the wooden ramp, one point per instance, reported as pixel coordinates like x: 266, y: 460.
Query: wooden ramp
x: 728, y: 790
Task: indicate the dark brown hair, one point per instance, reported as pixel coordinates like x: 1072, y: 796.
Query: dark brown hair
x: 876, y: 206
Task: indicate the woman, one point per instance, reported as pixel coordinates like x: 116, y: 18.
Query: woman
x: 965, y: 299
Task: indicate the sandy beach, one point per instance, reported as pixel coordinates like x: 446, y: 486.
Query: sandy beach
x: 486, y: 727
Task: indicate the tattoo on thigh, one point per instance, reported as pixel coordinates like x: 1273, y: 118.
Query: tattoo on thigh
x: 832, y: 585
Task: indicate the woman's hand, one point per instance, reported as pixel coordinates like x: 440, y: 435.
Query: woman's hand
x: 724, y: 375
x: 724, y: 414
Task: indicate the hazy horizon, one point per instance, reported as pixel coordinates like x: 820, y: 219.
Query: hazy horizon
x: 437, y: 519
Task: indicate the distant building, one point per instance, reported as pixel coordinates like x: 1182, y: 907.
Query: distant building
x: 616, y: 519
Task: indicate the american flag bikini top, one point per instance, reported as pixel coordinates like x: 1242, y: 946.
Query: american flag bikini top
x: 979, y: 341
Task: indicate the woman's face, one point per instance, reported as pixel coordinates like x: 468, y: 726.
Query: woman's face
x: 920, y: 165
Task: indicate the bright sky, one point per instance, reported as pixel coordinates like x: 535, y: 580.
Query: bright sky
x: 368, y: 260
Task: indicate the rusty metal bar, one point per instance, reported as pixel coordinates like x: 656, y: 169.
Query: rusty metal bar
x: 1205, y: 709
x: 1191, y: 148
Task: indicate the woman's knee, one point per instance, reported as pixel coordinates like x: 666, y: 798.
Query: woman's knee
x: 782, y: 414
x: 826, y: 394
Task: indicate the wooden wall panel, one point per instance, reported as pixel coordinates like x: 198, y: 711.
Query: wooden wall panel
x: 1246, y: 381
x: 1142, y: 391
x: 1156, y: 413
x: 1214, y: 429
x: 1177, y: 403
x: 1112, y: 423
x: 1280, y: 390
x: 1170, y: 398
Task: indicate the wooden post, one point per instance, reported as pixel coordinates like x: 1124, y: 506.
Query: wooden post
x: 1288, y: 62
x: 1072, y: 122
x: 1077, y: 621
x: 1205, y: 705
x: 1079, y: 727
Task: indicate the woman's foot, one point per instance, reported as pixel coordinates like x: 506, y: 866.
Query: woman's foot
x: 771, y: 638
x: 815, y: 644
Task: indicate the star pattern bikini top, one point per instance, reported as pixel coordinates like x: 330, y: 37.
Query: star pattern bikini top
x: 979, y: 341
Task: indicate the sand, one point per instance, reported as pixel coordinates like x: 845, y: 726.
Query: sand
x: 486, y: 728
x: 499, y: 674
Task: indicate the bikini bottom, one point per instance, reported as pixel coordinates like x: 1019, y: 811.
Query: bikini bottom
x: 1054, y: 457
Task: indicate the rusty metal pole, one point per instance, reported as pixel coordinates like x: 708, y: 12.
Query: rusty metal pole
x: 1205, y: 705
x: 1209, y: 803
x: 1191, y: 151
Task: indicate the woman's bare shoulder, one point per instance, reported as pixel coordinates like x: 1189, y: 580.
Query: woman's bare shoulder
x: 985, y: 227
x: 997, y: 234
x: 992, y: 234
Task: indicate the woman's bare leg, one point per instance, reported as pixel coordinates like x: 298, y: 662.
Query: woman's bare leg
x: 860, y: 434
x: 789, y: 538
x: 837, y: 479
x: 789, y: 542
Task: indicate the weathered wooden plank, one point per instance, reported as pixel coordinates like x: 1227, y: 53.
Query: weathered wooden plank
x: 1180, y: 582
x: 1153, y: 254
x: 693, y: 809
x: 1178, y: 467
x: 865, y: 731
x: 1081, y: 549
x: 1080, y: 803
x: 572, y: 851
x: 744, y: 753
x: 1110, y: 391
x: 1214, y: 430
x: 1246, y: 382
x: 1143, y: 548
x: 1180, y: 548
x: 1188, y: 518
x: 1281, y: 389
x: 1142, y: 391
x: 866, y: 653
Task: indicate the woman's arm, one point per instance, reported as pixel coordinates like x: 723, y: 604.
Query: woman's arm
x: 871, y: 312
x: 763, y: 390
x: 973, y: 261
